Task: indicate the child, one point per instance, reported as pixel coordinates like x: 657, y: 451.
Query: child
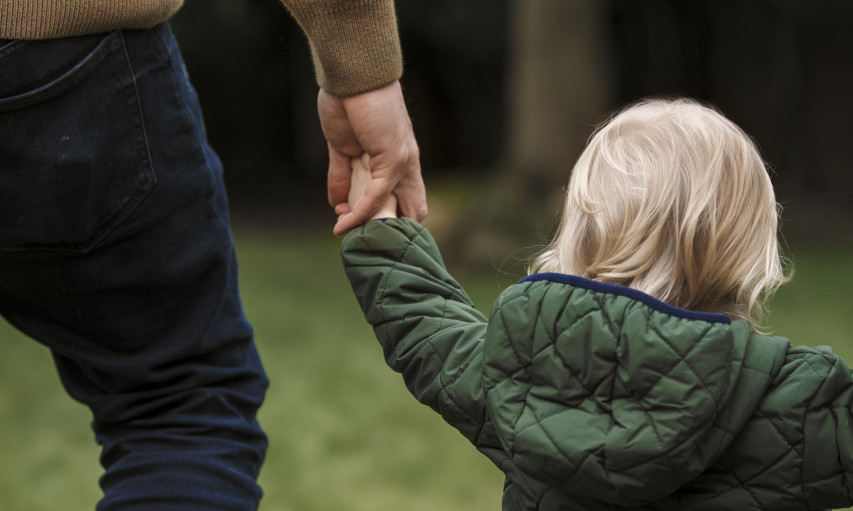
x: 627, y: 371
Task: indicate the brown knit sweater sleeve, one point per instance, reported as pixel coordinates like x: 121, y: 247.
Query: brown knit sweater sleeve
x: 354, y: 43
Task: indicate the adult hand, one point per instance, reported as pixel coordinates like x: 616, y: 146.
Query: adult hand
x: 376, y: 123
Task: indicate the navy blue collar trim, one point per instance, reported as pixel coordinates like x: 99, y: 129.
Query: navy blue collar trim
x: 613, y: 289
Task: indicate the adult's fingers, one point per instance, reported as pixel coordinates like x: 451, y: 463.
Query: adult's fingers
x: 339, y: 177
x: 375, y: 195
x: 411, y: 196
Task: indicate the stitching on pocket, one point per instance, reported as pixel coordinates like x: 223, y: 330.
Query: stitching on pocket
x: 67, y: 80
x: 136, y: 178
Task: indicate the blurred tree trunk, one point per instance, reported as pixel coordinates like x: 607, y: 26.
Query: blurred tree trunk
x: 560, y: 87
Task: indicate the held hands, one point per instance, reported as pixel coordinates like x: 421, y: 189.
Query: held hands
x: 359, y: 183
x: 375, y: 124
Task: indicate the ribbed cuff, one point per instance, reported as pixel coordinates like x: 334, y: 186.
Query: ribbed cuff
x: 48, y: 19
x: 354, y: 43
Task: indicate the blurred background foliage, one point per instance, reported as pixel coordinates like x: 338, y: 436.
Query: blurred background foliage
x: 504, y: 93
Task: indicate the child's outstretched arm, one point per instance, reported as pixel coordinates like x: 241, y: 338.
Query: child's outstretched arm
x: 429, y: 329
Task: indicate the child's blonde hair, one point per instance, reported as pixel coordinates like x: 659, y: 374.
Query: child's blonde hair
x: 673, y: 199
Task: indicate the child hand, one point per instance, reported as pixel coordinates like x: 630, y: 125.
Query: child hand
x: 359, y: 185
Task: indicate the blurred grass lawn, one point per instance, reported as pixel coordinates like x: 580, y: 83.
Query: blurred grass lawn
x: 344, y: 432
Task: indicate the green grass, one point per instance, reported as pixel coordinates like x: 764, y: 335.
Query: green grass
x: 344, y: 432
x: 816, y: 307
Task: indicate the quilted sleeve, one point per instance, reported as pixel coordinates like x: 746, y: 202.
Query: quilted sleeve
x: 796, y: 452
x: 429, y: 329
x: 827, y: 473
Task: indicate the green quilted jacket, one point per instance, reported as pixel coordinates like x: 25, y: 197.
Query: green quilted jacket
x: 597, y: 397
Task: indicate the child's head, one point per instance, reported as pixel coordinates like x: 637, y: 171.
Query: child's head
x: 673, y: 199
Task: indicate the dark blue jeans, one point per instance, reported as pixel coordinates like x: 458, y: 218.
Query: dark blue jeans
x: 116, y: 253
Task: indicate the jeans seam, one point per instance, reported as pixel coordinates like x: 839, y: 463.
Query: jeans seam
x: 197, y: 133
x: 149, y: 161
x: 148, y: 177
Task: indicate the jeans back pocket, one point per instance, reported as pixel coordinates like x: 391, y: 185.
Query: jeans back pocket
x: 74, y: 156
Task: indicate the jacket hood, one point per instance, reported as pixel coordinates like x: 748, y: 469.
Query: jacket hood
x: 604, y: 392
